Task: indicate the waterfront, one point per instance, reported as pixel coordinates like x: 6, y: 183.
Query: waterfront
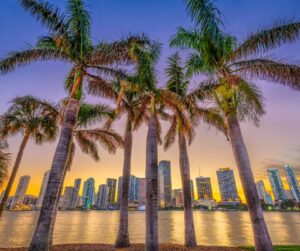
x: 212, y: 228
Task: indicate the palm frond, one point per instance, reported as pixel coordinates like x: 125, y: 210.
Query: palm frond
x: 186, y: 39
x: 86, y: 144
x: 206, y: 15
x: 281, y: 32
x: 108, y: 139
x: 54, y: 42
x: 21, y: 58
x: 141, y: 113
x: 90, y: 114
x: 47, y: 14
x: 32, y: 115
x: 171, y: 134
x: 213, y: 118
x: 79, y: 27
x: 267, y: 69
x: 117, y: 51
x: 98, y: 86
x: 196, y: 65
x: 176, y: 82
x: 108, y: 71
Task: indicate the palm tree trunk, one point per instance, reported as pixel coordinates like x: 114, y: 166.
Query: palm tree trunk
x: 56, y: 210
x: 122, y: 240
x: 152, y: 242
x: 42, y: 236
x: 14, y: 172
x: 261, y: 235
x: 189, y: 233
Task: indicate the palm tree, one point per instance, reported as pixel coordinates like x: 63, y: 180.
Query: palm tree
x: 4, y: 162
x: 69, y: 40
x: 230, y: 67
x: 125, y: 105
x: 34, y: 119
x: 87, y: 139
x: 152, y: 102
x: 182, y: 125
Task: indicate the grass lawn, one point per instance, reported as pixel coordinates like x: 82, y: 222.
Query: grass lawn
x: 279, y: 248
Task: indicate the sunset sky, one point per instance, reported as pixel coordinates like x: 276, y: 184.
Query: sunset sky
x: 274, y: 143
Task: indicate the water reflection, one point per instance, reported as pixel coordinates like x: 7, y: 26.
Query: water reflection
x: 212, y: 228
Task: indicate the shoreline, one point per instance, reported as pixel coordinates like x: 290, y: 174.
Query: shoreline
x: 133, y: 247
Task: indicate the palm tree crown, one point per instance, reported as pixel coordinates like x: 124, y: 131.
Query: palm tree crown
x: 30, y: 116
x: 69, y: 40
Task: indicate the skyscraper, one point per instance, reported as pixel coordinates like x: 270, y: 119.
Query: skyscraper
x: 165, y: 183
x: 77, y: 184
x: 142, y: 191
x: 112, y: 184
x: 43, y: 189
x: 88, y: 193
x: 102, y: 198
x: 133, y: 188
x: 204, y: 189
x: 293, y: 182
x: 21, y: 191
x: 178, y: 196
x: 30, y: 200
x: 276, y: 183
x: 70, y: 198
x: 261, y: 190
x: 269, y: 199
x: 227, y: 185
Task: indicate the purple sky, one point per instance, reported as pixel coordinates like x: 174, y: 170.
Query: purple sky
x: 274, y: 143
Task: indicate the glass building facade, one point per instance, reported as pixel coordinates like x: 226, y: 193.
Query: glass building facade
x: 227, y: 185
x: 88, y: 193
x: 293, y: 182
x: 276, y: 183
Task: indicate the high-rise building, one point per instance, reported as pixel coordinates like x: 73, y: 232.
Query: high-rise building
x: 165, y: 183
x: 133, y: 188
x: 293, y: 182
x: 67, y: 198
x: 30, y: 200
x: 276, y: 183
x: 269, y: 199
x: 102, y: 198
x: 289, y: 194
x: 88, y: 193
x: 142, y: 191
x: 43, y: 189
x: 261, y: 190
x: 112, y: 184
x: 178, y: 197
x: 192, y: 189
x: 21, y: 191
x: 70, y: 198
x: 227, y: 185
x: 77, y: 184
x: 204, y: 189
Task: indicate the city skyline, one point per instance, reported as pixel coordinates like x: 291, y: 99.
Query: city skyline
x: 89, y: 194
x: 267, y: 145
